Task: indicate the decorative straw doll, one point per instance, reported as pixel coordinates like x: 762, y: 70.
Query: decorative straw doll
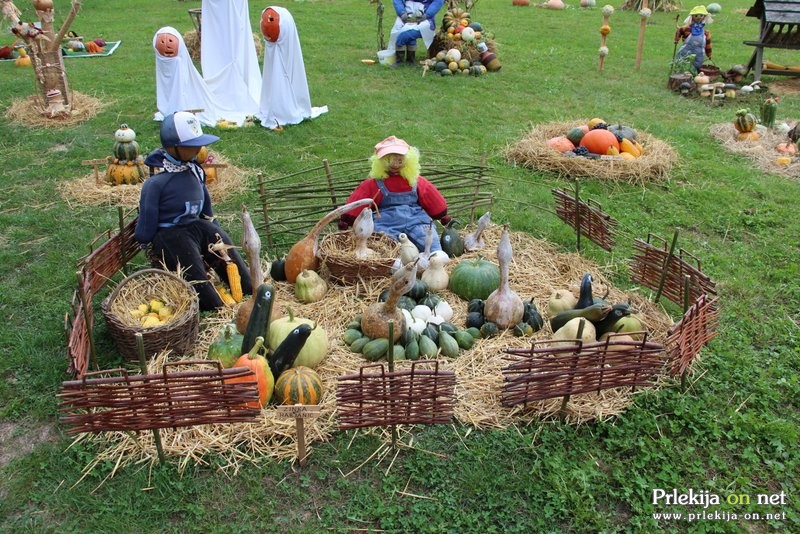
x: 696, y: 38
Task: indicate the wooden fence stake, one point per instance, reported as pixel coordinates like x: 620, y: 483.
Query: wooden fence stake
x: 143, y: 365
x: 665, y: 267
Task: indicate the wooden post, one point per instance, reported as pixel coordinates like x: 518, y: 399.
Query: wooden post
x: 608, y: 10
x: 577, y: 215
x: 143, y: 366
x: 645, y: 16
x: 89, y: 326
x: 390, y: 358
x: 299, y: 412
x: 665, y: 267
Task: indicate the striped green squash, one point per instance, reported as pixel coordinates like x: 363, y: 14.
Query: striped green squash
x: 745, y: 121
x: 298, y: 385
x: 126, y: 150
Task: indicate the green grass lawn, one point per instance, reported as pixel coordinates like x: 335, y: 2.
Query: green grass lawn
x: 734, y: 432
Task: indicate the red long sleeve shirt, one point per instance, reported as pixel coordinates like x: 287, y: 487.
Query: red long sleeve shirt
x: 430, y: 199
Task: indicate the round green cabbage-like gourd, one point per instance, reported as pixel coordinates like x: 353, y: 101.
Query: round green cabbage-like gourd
x: 474, y: 279
x: 575, y: 135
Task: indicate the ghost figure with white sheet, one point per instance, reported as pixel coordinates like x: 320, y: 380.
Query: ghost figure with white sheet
x: 284, y: 89
x: 228, y: 54
x: 179, y: 87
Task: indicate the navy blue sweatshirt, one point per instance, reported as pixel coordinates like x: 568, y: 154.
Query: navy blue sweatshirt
x: 170, y: 199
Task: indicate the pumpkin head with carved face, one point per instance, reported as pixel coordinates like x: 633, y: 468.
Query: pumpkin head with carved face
x: 167, y: 45
x: 270, y: 24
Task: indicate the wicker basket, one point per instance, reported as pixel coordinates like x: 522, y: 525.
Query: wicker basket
x: 712, y: 71
x: 336, y: 253
x: 179, y: 334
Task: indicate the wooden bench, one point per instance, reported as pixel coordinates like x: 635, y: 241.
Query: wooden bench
x: 780, y: 28
x: 292, y: 204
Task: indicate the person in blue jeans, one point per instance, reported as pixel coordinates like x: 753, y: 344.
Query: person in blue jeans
x: 176, y: 219
x: 407, y: 203
x: 415, y: 20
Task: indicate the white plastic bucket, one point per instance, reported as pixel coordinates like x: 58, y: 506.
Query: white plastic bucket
x: 386, y: 57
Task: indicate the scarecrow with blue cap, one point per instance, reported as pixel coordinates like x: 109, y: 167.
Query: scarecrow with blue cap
x: 176, y: 220
x: 696, y: 38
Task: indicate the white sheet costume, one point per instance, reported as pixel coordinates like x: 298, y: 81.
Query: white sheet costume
x: 179, y: 87
x: 228, y: 55
x: 284, y: 90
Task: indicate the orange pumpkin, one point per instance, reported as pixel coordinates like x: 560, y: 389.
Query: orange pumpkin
x: 260, y: 366
x: 270, y: 25
x: 786, y: 148
x: 598, y: 141
x: 167, y: 45
x: 560, y: 143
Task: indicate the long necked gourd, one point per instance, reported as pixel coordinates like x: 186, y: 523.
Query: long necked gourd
x: 474, y: 240
x: 375, y: 319
x: 363, y: 227
x: 425, y: 255
x: 408, y: 250
x: 503, y: 306
x: 251, y: 244
x: 303, y: 254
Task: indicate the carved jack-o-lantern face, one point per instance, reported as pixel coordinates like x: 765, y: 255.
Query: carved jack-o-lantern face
x: 167, y: 44
x: 270, y: 25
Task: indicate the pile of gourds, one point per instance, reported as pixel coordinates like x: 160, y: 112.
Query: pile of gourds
x: 424, y: 331
x: 127, y: 166
x: 597, y: 138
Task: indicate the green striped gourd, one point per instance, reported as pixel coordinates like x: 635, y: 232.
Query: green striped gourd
x: 768, y: 109
x: 125, y: 146
x: 745, y: 121
x: 298, y: 385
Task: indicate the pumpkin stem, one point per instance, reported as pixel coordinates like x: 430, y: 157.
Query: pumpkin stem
x: 290, y: 313
x: 256, y: 347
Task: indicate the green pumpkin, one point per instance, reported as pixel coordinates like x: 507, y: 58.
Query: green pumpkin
x: 474, y: 279
x: 417, y: 291
x: 575, y: 135
x: 227, y: 347
x: 126, y: 150
x: 451, y: 241
x: 625, y: 132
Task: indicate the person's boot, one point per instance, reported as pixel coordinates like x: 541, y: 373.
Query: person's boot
x: 411, y: 56
x: 399, y: 57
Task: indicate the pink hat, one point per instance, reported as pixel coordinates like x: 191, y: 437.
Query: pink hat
x: 391, y: 145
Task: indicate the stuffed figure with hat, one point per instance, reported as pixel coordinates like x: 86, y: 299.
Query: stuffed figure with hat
x: 176, y: 220
x: 407, y: 202
x: 696, y: 38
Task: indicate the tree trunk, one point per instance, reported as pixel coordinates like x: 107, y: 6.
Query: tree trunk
x: 44, y: 48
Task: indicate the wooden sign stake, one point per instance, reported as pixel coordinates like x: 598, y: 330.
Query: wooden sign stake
x: 143, y: 365
x: 299, y: 412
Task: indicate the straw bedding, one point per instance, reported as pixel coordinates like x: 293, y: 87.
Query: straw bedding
x: 87, y: 191
x: 761, y: 152
x: 533, y: 152
x: 28, y: 111
x: 537, y: 270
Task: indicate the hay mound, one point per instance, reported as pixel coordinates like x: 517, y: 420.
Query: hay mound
x: 28, y: 111
x: 538, y: 269
x: 761, y: 152
x: 532, y: 152
x: 91, y: 191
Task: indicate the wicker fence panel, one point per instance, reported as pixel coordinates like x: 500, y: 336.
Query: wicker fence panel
x: 292, y: 204
x: 419, y: 395
x: 596, y: 225
x: 687, y: 337
x: 94, y: 271
x: 143, y: 402
x: 547, y: 371
x: 649, y: 264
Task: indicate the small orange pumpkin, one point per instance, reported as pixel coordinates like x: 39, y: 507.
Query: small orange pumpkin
x: 167, y: 45
x: 599, y: 140
x: 260, y: 366
x: 560, y: 143
x: 270, y: 24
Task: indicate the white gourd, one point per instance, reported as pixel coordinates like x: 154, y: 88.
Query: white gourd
x: 408, y: 250
x: 474, y: 241
x: 363, y: 227
x: 503, y: 306
x: 435, y: 275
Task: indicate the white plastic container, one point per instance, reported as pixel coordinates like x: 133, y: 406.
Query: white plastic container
x: 386, y: 57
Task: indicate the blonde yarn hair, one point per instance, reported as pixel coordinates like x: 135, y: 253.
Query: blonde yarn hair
x: 410, y: 169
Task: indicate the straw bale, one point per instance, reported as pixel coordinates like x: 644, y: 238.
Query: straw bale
x: 762, y: 152
x: 537, y: 270
x: 28, y: 111
x: 87, y: 191
x: 533, y: 152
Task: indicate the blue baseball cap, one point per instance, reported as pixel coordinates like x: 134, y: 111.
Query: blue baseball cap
x: 183, y: 129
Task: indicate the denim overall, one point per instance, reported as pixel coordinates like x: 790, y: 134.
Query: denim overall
x: 695, y: 44
x: 401, y: 213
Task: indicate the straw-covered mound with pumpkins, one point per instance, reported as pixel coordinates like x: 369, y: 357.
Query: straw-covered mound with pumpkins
x: 487, y: 290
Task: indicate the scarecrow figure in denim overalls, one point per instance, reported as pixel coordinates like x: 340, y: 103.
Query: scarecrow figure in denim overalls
x: 696, y: 38
x: 407, y: 202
